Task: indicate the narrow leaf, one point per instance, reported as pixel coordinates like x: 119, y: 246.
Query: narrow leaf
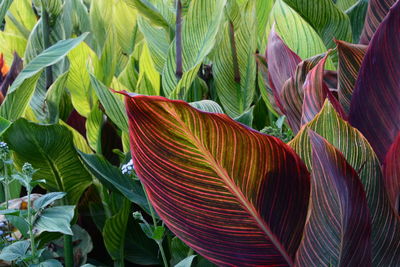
x: 350, y: 59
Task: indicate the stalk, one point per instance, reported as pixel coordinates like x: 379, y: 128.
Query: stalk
x: 31, y: 235
x: 153, y: 216
x: 68, y: 251
x: 178, y: 39
x: 46, y: 43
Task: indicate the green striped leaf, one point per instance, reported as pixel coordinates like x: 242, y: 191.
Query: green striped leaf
x: 50, y: 149
x: 338, y: 231
x: 53, y: 97
x: 22, y: 89
x: 113, y: 105
x: 391, y: 171
x: 376, y: 99
x: 94, y: 124
x: 357, y: 14
x: 114, y: 232
x: 4, y: 6
x: 199, y: 29
x: 148, y: 10
x: 191, y: 161
x: 78, y: 83
x: 306, y: 42
x: 350, y: 59
x: 234, y: 65
x: 360, y: 155
x: 207, y: 106
x: 329, y: 21
x: 377, y: 11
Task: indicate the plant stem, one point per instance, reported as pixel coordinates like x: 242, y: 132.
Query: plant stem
x: 6, y: 185
x: 159, y: 243
x: 46, y: 43
x: 68, y: 251
x: 153, y: 216
x: 178, y: 39
x: 30, y: 221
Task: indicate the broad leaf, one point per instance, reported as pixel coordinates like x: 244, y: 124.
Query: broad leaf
x: 350, y: 59
x: 330, y: 22
x: 338, y: 231
x: 375, y: 104
x: 147, y: 9
x: 306, y: 42
x: 50, y: 149
x: 377, y: 11
x: 191, y: 161
x: 391, y: 171
x: 47, y: 199
x: 360, y: 155
x: 55, y: 219
x: 357, y: 14
x: 21, y: 91
x: 4, y: 6
x: 208, y: 106
x: 15, y: 251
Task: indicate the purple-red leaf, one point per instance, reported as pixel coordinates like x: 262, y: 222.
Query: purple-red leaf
x: 377, y: 10
x: 350, y: 59
x: 375, y: 105
x: 234, y: 195
x: 338, y: 230
x: 292, y: 94
x: 282, y: 64
x: 315, y: 93
x: 391, y: 171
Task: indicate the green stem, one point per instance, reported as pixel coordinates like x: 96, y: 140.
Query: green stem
x: 30, y: 220
x: 46, y: 43
x: 159, y: 243
x: 68, y: 251
x: 153, y: 216
x: 6, y: 186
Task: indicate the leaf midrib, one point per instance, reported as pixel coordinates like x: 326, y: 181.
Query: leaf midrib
x: 232, y: 187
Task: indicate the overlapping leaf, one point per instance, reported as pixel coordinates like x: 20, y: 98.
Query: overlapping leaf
x: 350, y: 59
x: 329, y: 21
x: 282, y: 63
x: 391, y: 172
x: 21, y: 91
x: 360, y: 155
x: 231, y: 186
x: 377, y: 11
x: 357, y: 14
x: 375, y: 104
x: 338, y: 231
x: 199, y: 29
x: 292, y: 94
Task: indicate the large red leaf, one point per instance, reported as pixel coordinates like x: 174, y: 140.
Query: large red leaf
x: 350, y: 59
x: 377, y: 10
x: 391, y: 171
x: 234, y: 195
x: 375, y: 105
x: 282, y: 64
x: 338, y: 231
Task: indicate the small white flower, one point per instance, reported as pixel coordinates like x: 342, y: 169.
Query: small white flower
x: 128, y: 168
